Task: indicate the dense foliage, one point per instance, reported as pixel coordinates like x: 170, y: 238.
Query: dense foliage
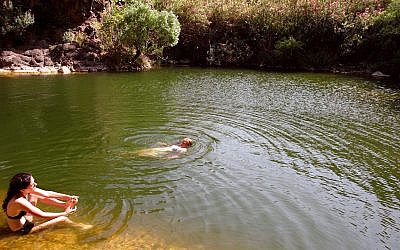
x: 13, y: 19
x: 380, y: 48
x: 136, y: 28
x: 298, y: 34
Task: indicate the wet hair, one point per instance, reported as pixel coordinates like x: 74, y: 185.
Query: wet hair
x: 188, y: 140
x: 19, y: 182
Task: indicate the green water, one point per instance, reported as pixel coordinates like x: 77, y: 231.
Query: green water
x: 280, y: 161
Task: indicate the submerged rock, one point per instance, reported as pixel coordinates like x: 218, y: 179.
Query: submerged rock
x: 379, y: 74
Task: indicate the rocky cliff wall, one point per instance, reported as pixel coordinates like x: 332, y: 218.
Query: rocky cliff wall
x: 61, y: 12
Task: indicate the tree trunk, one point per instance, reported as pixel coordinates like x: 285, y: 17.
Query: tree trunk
x: 138, y: 53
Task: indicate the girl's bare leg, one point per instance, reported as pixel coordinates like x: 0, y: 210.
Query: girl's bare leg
x: 58, y: 220
x: 50, y: 223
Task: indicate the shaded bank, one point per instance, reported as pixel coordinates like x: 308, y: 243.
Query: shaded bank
x: 357, y: 36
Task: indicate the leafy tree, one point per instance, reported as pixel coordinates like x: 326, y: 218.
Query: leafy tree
x: 136, y: 29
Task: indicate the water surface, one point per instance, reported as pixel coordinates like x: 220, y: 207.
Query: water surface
x: 280, y: 160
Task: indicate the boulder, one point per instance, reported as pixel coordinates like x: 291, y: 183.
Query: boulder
x: 64, y: 70
x: 68, y: 47
x: 48, y: 70
x: 36, y: 54
x: 48, y: 62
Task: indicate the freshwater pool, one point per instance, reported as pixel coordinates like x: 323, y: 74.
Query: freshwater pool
x: 280, y: 160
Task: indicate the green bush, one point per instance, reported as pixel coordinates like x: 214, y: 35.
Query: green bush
x: 74, y: 36
x: 389, y: 21
x: 13, y: 19
x: 288, y: 51
x: 289, y: 46
x: 380, y: 47
x: 137, y: 28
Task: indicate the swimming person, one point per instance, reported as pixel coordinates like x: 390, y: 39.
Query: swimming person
x: 176, y: 150
x: 20, y: 205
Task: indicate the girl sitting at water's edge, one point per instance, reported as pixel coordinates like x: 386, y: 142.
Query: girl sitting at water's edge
x: 167, y: 149
x: 20, y: 205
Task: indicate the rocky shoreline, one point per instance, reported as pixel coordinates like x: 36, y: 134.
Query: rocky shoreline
x: 68, y: 58
x: 57, y: 59
x: 46, y: 70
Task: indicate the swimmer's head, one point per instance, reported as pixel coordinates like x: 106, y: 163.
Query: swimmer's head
x: 186, y: 142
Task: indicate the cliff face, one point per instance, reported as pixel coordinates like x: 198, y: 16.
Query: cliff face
x: 63, y: 13
x: 41, y: 48
x: 51, y: 18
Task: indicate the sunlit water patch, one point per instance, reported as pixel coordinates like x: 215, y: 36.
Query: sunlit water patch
x: 279, y: 161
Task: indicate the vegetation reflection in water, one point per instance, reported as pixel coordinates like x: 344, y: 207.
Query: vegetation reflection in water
x: 279, y: 161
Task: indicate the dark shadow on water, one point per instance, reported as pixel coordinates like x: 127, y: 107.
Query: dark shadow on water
x: 389, y: 83
x: 395, y: 104
x: 5, y: 232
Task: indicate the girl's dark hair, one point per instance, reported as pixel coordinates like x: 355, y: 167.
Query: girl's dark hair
x: 17, y: 183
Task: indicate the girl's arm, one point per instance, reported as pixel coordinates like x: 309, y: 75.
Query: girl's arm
x: 51, y: 194
x: 53, y: 202
x: 27, y: 206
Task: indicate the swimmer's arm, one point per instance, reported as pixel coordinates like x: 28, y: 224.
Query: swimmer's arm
x: 31, y: 209
x: 162, y: 144
x: 173, y: 156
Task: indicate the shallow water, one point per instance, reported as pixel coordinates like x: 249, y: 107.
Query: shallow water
x: 280, y: 161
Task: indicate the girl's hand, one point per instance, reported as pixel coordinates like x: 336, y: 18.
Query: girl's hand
x: 73, y: 197
x: 70, y: 210
x: 72, y: 201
